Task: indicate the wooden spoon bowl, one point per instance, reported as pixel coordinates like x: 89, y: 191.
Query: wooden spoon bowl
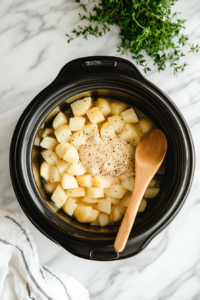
x: 151, y: 149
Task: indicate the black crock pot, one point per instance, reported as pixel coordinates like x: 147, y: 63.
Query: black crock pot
x: 111, y: 77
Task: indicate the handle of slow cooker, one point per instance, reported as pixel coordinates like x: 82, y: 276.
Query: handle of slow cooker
x: 130, y: 250
x: 102, y: 252
x: 98, y: 65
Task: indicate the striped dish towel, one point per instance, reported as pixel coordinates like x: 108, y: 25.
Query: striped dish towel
x: 21, y: 275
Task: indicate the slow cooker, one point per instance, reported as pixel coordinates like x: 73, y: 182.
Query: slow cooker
x: 114, y: 78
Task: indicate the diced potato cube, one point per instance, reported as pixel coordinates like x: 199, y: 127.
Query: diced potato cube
x: 68, y: 181
x: 95, y: 115
x: 129, y: 133
x: 152, y: 183
x: 103, y: 219
x: 89, y: 200
x: 84, y: 180
x: 116, y: 215
x: 151, y: 192
x: 142, y: 206
x: 125, y: 201
x: 94, y: 205
x: 95, y: 223
x: 83, y: 213
x: 114, y: 201
x: 100, y: 182
x: 91, y: 130
x: 115, y: 191
x: 50, y: 157
x: 47, y: 132
x: 63, y: 133
x: 93, y: 217
x: 69, y: 206
x: 38, y: 138
x: 76, y: 169
x: 135, y: 142
x: 129, y: 116
x: 59, y: 196
x: 93, y: 192
x: 145, y: 125
x: 76, y: 123
x: 50, y: 187
x: 117, y: 107
x: 71, y: 155
x: 121, y: 208
x: 46, y: 154
x: 107, y: 130
x: 42, y: 126
x: 49, y: 142
x: 95, y: 214
x: 77, y: 192
x: 59, y: 120
x: 52, y: 114
x: 79, y: 107
x: 104, y: 106
x: 77, y: 139
x: 62, y: 148
x: 117, y: 122
x: 72, y: 200
x: 129, y: 184
x: 44, y: 170
x: 54, y: 175
x: 104, y: 206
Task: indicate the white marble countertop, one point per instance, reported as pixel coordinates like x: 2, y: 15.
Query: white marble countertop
x: 33, y: 48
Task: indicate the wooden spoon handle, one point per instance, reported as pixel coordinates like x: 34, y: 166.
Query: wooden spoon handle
x: 131, y: 212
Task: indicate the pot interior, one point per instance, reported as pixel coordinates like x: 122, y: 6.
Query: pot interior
x: 155, y: 110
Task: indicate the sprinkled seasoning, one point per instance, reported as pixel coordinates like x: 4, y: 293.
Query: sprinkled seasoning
x: 109, y: 157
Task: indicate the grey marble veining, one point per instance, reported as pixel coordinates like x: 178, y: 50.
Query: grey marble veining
x: 33, y: 48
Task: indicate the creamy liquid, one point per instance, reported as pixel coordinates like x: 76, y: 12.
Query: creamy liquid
x: 109, y: 157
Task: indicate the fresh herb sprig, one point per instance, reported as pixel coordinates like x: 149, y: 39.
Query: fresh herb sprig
x: 144, y: 25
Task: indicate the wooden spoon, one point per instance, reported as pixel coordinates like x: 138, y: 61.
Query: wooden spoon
x: 149, y: 155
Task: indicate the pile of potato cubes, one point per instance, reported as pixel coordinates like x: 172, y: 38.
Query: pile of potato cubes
x: 90, y: 199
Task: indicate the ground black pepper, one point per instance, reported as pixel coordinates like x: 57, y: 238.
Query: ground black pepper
x: 115, y: 158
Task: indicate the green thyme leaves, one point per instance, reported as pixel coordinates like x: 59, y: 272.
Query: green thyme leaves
x: 144, y: 25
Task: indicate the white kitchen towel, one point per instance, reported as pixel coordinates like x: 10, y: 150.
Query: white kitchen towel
x: 21, y: 275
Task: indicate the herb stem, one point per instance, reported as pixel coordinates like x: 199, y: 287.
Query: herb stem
x: 157, y: 17
x: 112, y: 11
x: 138, y: 23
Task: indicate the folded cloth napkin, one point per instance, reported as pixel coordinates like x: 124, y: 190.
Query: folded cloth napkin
x: 21, y: 275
